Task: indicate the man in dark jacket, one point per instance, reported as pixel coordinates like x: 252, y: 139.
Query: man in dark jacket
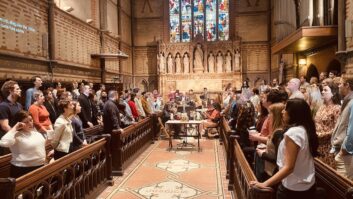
x: 86, y: 114
x: 111, y: 114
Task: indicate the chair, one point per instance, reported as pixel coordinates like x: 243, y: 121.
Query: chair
x: 166, y: 133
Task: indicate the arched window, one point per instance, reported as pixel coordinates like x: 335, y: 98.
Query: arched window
x: 208, y: 19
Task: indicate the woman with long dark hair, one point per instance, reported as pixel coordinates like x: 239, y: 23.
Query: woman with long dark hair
x: 296, y: 152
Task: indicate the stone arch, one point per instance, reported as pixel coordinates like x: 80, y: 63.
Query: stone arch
x: 312, y: 72
x: 152, y: 85
x: 334, y: 65
x: 143, y: 85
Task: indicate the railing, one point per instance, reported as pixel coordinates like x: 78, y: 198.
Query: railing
x: 130, y: 143
x: 330, y: 184
x: 239, y: 171
x: 5, y: 164
x: 225, y: 132
x: 241, y: 174
x: 335, y: 185
x: 74, y: 176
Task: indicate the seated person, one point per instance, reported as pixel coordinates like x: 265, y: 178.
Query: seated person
x: 26, y: 144
x: 213, y: 115
x: 169, y: 113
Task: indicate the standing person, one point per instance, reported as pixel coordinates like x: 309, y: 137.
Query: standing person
x: 132, y: 105
x: 138, y: 103
x: 37, y: 82
x: 328, y: 113
x: 296, y: 152
x: 57, y: 86
x: 40, y: 114
x: 99, y: 92
x: 50, y: 104
x: 62, y: 137
x: 293, y: 87
x: 86, y: 114
x: 27, y: 146
x: 269, y: 154
x: 323, y: 75
x: 79, y: 138
x: 111, y: 116
x: 326, y: 119
x: 9, y: 107
x: 75, y: 91
x: 340, y: 133
x: 145, y: 104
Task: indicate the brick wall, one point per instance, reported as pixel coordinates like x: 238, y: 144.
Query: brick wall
x: 75, y: 40
x: 24, y: 40
x: 111, y: 45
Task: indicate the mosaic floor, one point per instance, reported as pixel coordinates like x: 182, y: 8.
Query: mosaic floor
x: 177, y: 174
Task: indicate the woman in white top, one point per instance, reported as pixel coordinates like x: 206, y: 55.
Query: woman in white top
x: 26, y: 144
x: 62, y: 137
x: 296, y: 153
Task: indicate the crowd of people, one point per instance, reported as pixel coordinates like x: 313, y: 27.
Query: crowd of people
x: 280, y: 127
x: 57, y: 115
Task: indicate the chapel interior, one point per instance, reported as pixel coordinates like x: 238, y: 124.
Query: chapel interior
x: 168, y: 46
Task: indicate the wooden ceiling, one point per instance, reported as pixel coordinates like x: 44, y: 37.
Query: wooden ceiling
x: 306, y: 39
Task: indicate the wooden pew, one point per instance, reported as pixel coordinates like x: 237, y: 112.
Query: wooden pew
x: 90, y: 133
x: 335, y: 185
x: 127, y: 145
x: 224, y: 134
x: 239, y: 171
x: 241, y: 174
x: 77, y: 175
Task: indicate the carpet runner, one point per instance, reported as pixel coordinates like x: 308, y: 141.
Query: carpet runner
x: 183, y: 173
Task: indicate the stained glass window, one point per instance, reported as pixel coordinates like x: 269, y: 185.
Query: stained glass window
x: 174, y: 13
x: 211, y: 18
x: 186, y: 20
x: 208, y: 19
x: 223, y: 20
x: 198, y: 18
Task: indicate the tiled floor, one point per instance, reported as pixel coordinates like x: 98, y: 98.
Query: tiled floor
x: 179, y: 174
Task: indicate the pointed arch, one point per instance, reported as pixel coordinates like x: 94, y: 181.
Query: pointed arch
x: 334, y: 65
x: 312, y: 72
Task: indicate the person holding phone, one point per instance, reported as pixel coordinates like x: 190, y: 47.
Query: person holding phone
x: 26, y: 144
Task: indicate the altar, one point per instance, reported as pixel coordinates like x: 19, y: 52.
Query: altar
x: 198, y: 65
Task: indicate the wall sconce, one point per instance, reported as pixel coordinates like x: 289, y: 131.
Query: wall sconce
x: 302, y: 62
x: 68, y: 8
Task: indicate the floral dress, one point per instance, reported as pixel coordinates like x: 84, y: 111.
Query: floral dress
x: 325, y: 120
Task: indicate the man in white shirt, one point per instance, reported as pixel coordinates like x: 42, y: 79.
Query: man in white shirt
x: 293, y: 87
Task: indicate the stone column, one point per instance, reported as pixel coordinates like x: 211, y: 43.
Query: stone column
x: 341, y: 25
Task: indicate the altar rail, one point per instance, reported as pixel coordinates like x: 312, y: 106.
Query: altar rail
x: 130, y: 143
x: 76, y: 175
